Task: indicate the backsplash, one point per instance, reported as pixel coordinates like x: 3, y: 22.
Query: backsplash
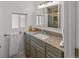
x: 50, y: 33
x: 53, y: 33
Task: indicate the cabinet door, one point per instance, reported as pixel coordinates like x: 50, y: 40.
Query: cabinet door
x: 36, y: 52
x: 49, y: 56
x: 27, y: 46
x: 53, y: 52
x: 33, y: 51
x: 27, y: 51
x: 40, y: 54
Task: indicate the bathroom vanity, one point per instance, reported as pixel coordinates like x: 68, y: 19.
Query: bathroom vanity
x: 48, y: 47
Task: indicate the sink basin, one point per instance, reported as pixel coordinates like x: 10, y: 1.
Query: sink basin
x: 41, y: 36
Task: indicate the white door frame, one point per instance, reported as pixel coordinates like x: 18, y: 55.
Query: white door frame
x: 69, y: 29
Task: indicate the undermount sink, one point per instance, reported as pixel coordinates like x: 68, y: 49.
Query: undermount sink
x: 41, y: 36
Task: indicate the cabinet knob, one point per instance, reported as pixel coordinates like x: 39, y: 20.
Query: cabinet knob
x: 5, y: 35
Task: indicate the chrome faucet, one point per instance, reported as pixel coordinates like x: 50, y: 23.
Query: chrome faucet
x: 43, y: 31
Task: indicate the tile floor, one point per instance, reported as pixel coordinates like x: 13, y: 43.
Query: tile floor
x: 20, y: 55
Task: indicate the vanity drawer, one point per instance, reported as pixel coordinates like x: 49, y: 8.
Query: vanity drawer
x: 36, y: 50
x: 50, y: 55
x: 37, y: 47
x: 38, y: 42
x: 54, y: 51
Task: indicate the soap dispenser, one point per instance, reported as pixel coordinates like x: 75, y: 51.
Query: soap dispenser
x: 62, y: 42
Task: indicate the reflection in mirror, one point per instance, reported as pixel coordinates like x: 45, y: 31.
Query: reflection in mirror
x: 39, y: 15
x: 51, y: 13
x: 53, y: 16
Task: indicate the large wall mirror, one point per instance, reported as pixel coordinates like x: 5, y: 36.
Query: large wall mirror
x: 50, y: 15
x: 53, y: 16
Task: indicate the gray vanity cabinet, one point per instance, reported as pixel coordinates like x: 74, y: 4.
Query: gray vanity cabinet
x: 53, y: 52
x: 27, y: 45
x: 36, y: 48
x: 33, y: 51
x: 36, y: 51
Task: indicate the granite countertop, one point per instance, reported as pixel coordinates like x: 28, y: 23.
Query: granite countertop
x: 52, y: 40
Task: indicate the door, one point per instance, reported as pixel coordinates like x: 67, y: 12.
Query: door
x: 18, y: 26
x: 20, y: 42
x: 13, y: 44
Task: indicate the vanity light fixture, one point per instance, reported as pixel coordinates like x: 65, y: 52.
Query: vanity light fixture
x: 47, y: 4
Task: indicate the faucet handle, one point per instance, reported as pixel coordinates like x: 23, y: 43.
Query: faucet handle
x: 44, y: 32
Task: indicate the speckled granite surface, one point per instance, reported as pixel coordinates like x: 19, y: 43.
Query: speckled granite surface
x: 52, y: 40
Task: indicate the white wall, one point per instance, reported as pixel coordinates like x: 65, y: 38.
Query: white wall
x: 61, y: 14
x: 37, y: 11
x: 69, y: 29
x: 7, y: 8
x: 2, y: 22
x: 19, y: 7
x: 77, y: 24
